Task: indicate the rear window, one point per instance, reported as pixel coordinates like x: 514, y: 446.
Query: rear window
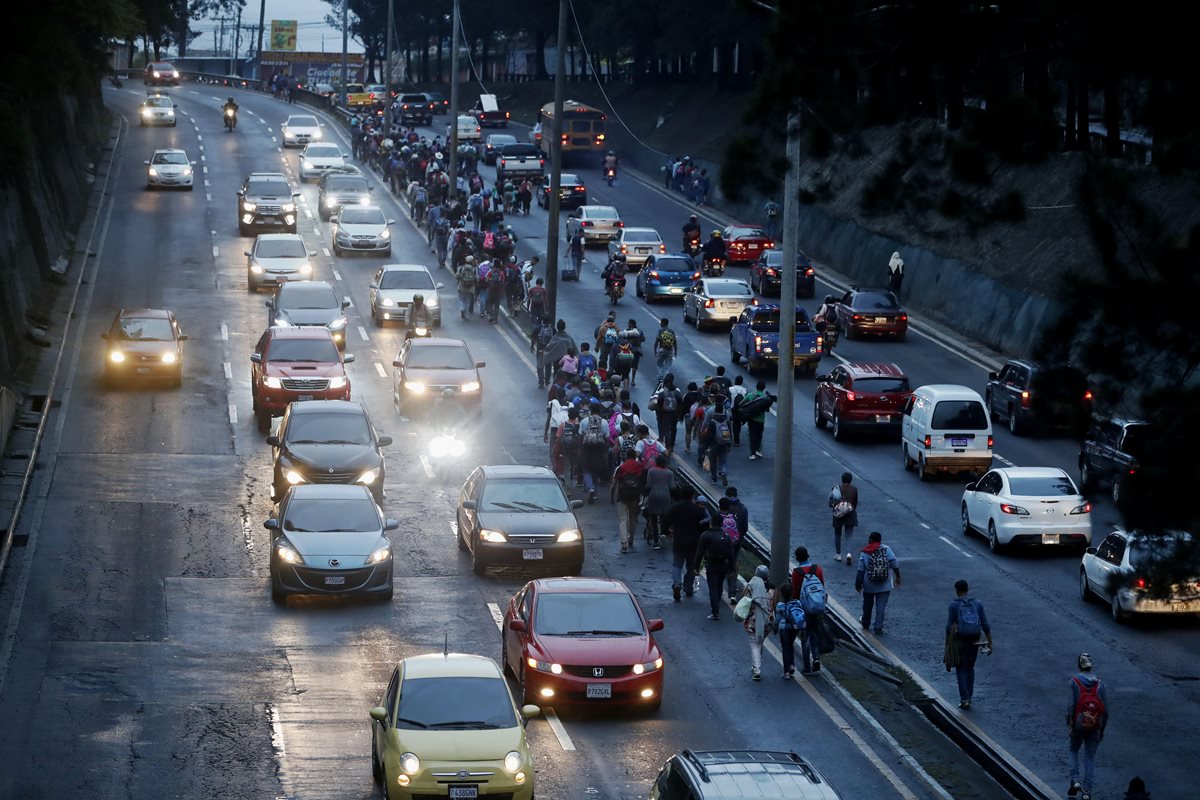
x: 1060, y: 380
x: 1045, y: 486
x: 767, y: 321
x: 731, y: 289
x: 753, y: 233
x: 412, y: 98
x: 876, y: 301
x: 519, y: 150
x: 959, y: 415
x: 600, y: 212
x: 642, y: 236
x: 674, y: 265
x: 881, y: 385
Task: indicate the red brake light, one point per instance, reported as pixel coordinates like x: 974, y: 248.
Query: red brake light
x: 904, y: 317
x: 695, y: 276
x: 857, y: 316
x: 928, y: 441
x: 625, y: 249
x: 652, y: 273
x: 586, y: 223
x: 852, y: 397
x: 991, y: 441
x: 620, y: 224
x: 507, y: 115
x: 371, y: 95
x: 1087, y: 395
x: 709, y: 303
x: 1132, y: 471
x: 1025, y: 399
x: 1008, y: 508
x: 810, y: 272
x: 757, y: 342
x: 662, y: 248
x: 541, y: 162
x: 1140, y: 583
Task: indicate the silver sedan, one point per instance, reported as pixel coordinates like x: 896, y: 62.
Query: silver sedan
x: 716, y: 301
x: 362, y: 229
x: 596, y: 223
x: 637, y: 245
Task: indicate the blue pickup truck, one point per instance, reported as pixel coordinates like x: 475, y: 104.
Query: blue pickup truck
x: 755, y: 338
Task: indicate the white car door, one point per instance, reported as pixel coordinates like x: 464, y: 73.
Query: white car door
x: 986, y: 496
x: 1108, y: 564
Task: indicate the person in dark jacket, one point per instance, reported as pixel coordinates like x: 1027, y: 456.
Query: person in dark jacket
x: 556, y: 348
x: 715, y: 552
x: 668, y: 411
x: 1081, y: 734
x: 685, y: 520
x: 968, y: 642
x: 1137, y: 790
x: 742, y: 515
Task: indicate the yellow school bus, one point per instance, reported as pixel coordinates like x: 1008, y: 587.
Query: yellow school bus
x: 583, y: 128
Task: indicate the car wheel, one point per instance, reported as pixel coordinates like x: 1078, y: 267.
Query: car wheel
x: 922, y: 470
x: 750, y: 365
x: 848, y: 332
x: 574, y: 570
x: 838, y: 433
x: 1014, y: 423
x: 263, y: 420
x: 243, y: 230
x: 818, y: 417
x: 505, y: 667
x: 462, y: 541
x: 1085, y: 477
x: 177, y: 380
x: 686, y: 320
x: 734, y: 355
x: 699, y: 324
x: 337, y: 251
x: 1116, y: 491
x: 1119, y: 615
x: 900, y: 337
x: 375, y: 317
x: 908, y: 462
x: 376, y: 769
x: 993, y: 539
x: 278, y: 595
x: 477, y: 565
x: 525, y: 698
x: 966, y: 521
x: 637, y: 289
x: 1085, y: 591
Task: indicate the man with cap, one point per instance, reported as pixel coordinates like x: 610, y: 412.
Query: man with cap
x: 1087, y: 717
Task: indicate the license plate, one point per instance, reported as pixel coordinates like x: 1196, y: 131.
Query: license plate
x: 1061, y: 408
x: 599, y: 690
x: 143, y: 370
x: 464, y: 791
x: 883, y: 417
x: 532, y: 555
x: 676, y: 290
x: 1049, y: 538
x: 335, y: 580
x: 957, y: 442
x: 881, y: 320
x: 753, y: 247
x: 643, y: 250
x: 305, y: 397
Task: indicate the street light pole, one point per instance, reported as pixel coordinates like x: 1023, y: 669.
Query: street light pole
x: 781, y: 506
x: 387, y: 69
x: 345, y: 53
x: 556, y: 158
x: 455, y: 22
x: 262, y: 17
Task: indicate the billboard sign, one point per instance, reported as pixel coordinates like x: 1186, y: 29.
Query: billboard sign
x: 283, y: 34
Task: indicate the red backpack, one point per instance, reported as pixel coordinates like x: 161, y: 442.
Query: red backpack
x: 1089, y: 708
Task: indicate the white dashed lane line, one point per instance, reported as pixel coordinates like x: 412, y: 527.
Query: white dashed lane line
x: 216, y: 252
x: 207, y: 182
x: 956, y: 547
x: 232, y: 413
x: 362, y: 332
x: 228, y: 369
x: 380, y: 369
x: 923, y: 525
x: 325, y: 250
x: 706, y: 359
x: 337, y: 276
x: 425, y: 465
x: 497, y: 615
x: 208, y: 196
x: 224, y: 332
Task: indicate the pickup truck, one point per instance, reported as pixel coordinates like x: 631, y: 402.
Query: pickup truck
x: 487, y: 113
x: 358, y: 98
x: 755, y: 338
x: 519, y: 161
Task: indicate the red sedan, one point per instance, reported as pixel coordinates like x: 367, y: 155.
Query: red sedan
x: 582, y: 641
x: 745, y: 243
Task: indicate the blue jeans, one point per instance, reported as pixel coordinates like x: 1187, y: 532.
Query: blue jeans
x: 1089, y: 742
x: 682, y: 574
x: 968, y: 652
x: 466, y: 302
x: 663, y: 361
x: 879, y: 601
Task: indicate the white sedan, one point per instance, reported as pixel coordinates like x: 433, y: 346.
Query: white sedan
x: 362, y: 228
x: 1038, y: 506
x: 169, y: 167
x: 1122, y: 569
x: 468, y: 130
x: 300, y: 129
x: 317, y: 159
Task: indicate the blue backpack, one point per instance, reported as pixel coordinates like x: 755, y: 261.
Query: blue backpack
x: 812, y: 592
x: 793, y: 616
x: 968, y: 619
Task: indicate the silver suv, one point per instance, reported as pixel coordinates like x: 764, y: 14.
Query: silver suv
x: 722, y: 774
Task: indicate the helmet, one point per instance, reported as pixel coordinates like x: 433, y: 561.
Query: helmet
x: 693, y: 218
x: 447, y: 393
x: 612, y: 152
x: 716, y: 234
x: 231, y: 99
x: 418, y: 299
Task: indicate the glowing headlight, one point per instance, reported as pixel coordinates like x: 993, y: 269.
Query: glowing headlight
x: 572, y: 535
x: 364, y: 201
x: 513, y: 761
x: 330, y: 202
x: 153, y: 172
x: 294, y: 477
x: 337, y: 383
x: 415, y: 387
x: 174, y: 73
x: 187, y: 170
x: 495, y: 537
x: 369, y: 477
x: 446, y: 446
x: 386, y: 234
x: 337, y: 324
x: 145, y: 112
x: 289, y: 208
x: 410, y: 763
x: 280, y: 322
x: 306, y: 267
x: 316, y: 134
x: 649, y: 666
x: 116, y: 356
x: 157, y: 74
x: 432, y: 302
x: 287, y: 554
x: 382, y: 554
x: 470, y: 387
x: 387, y: 302
x: 256, y: 269
x: 248, y: 206
x: 273, y: 383
x: 169, y: 358
x: 544, y: 666
x: 289, y: 135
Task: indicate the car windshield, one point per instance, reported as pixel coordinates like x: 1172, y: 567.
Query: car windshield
x: 586, y: 613
x: 169, y: 158
x: 323, y: 151
x: 767, y: 321
x: 455, y: 704
x: 362, y: 216
x: 346, y: 184
x: 328, y: 429
x: 523, y: 494
x: 881, y: 385
x: 146, y: 329
x: 302, y: 122
x: 281, y: 248
x: 405, y: 279
x: 642, y: 237
x: 731, y: 289
x: 959, y: 415
x: 747, y: 233
x: 332, y: 515
x: 568, y: 180
x: 1041, y: 486
x: 438, y: 357
x: 875, y: 301
x: 319, y: 350
x: 269, y: 189
x: 159, y: 102
x: 297, y: 295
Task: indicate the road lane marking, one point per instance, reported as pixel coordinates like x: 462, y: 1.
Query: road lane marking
x: 308, y: 213
x: 348, y: 301
x: 839, y: 358
x: 560, y: 732
x: 380, y: 369
x: 706, y: 359
x: 199, y: 138
x: 956, y: 547
x: 1003, y: 460
x: 316, y: 230
x: 228, y: 368
x: 208, y: 196
x: 232, y: 413
x: 494, y: 610
x: 363, y: 333
x: 190, y: 91
x: 337, y: 276
x: 923, y: 525
x: 273, y: 139
x: 205, y: 170
x: 215, y: 251
x: 276, y: 730
x: 325, y: 250
x: 202, y: 158
x: 426, y: 466
x: 224, y: 332
x: 207, y: 182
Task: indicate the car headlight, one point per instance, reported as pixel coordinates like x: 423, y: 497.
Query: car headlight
x: 306, y: 268
x: 369, y: 477
x: 169, y: 358
x: 337, y: 324
x: 341, y: 235
x: 513, y: 761
x: 288, y: 555
x: 281, y: 322
x: 116, y: 356
x: 288, y: 208
x: 294, y: 477
x: 256, y: 269
x: 316, y: 134
x: 187, y: 170
x: 387, y: 302
x: 495, y: 537
x: 157, y: 74
x: 447, y: 447
x: 544, y: 666
x: 416, y: 387
x: 386, y: 234
x: 470, y: 387
x: 174, y: 73
x: 273, y: 383
x: 432, y: 301
x: 152, y: 172
x: 330, y: 202
x: 338, y: 382
x: 248, y: 206
x: 289, y: 135
x: 649, y: 666
x: 382, y: 554
x: 364, y: 201
x: 145, y: 112
x: 410, y: 763
x: 572, y: 535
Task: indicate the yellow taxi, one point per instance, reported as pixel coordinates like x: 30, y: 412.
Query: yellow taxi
x: 448, y: 726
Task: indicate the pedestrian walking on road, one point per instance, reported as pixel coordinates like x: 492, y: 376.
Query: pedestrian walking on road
x: 843, y: 501
x: 636, y: 339
x: 771, y: 212
x: 667, y: 405
x: 808, y: 587
x: 568, y: 439
x: 737, y: 393
x: 895, y: 273
x: 555, y: 349
x: 967, y: 622
x: 715, y: 552
x: 876, y: 566
x: 625, y: 492
x: 1087, y: 717
x: 666, y: 347
x: 741, y: 516
x: 467, y: 277
x: 686, y: 519
x: 659, y: 480
x: 716, y: 437
x: 756, y: 420
x: 593, y: 457
x: 792, y: 622
x: 607, y: 335
x: 691, y: 398
x: 762, y: 615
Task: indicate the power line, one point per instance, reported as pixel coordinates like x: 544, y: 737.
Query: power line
x: 470, y: 61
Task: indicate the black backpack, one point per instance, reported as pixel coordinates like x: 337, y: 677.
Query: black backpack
x: 630, y: 485
x: 569, y: 439
x: 720, y: 549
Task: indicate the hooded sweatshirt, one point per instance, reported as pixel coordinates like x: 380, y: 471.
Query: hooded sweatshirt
x: 863, y: 581
x: 1087, y: 679
x: 556, y: 348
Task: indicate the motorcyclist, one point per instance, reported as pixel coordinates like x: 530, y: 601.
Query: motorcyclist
x: 610, y: 164
x: 826, y: 315
x: 614, y: 273
x: 691, y: 230
x: 447, y: 415
x: 714, y: 247
x: 225, y: 109
x: 417, y: 315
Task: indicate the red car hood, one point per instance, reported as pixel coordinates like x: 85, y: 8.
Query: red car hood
x: 600, y: 651
x: 302, y: 369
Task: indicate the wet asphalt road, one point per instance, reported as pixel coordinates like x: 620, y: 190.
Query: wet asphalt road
x: 142, y: 655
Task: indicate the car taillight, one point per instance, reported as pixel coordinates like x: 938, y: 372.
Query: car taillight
x: 769, y: 245
x: 851, y: 396
x: 1087, y: 395
x: 1086, y: 508
x: 757, y: 342
x: 586, y: 224
x: 652, y: 274
x: 371, y: 95
x: 928, y: 441
x: 809, y: 273
x: 903, y: 317
x: 599, y: 137
x: 856, y: 317
x: 507, y: 115
x: 619, y: 224
x: 1140, y: 583
x: 564, y: 138
x: 624, y: 249
x: 772, y: 272
x: 695, y: 276
x: 709, y: 303
x: 662, y: 248
x: 991, y: 441
x: 820, y: 344
x: 1025, y: 399
x: 541, y: 162
x: 1008, y: 508
x: 1132, y: 471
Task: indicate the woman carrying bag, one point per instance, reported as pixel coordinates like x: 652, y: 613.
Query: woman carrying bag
x: 756, y: 610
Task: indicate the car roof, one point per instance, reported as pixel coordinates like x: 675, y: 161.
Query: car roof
x: 266, y: 176
x: 327, y: 407
x: 504, y: 136
x: 168, y: 150
x: 873, y: 369
x: 516, y: 471
x: 741, y: 226
x: 1031, y: 472
x: 729, y: 774
x: 950, y: 391
x: 449, y: 665
x: 371, y: 207
x: 287, y: 284
x: 144, y: 313
x: 717, y: 283
x: 300, y: 332
x: 277, y: 237
x: 608, y: 585
x: 404, y: 268
x: 330, y: 491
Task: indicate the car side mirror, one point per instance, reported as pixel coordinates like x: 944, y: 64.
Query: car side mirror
x: 530, y: 711
x: 273, y: 441
x: 576, y: 505
x: 335, y: 220
x: 267, y: 303
x: 256, y: 358
x: 312, y: 253
x: 246, y: 253
x: 992, y: 376
x: 517, y: 625
x: 970, y: 487
x: 439, y: 286
x: 480, y: 364
x: 1091, y: 551
x: 295, y: 194
x: 373, y: 286
x: 821, y: 378
x: 396, y: 363
x: 654, y: 625
x: 174, y: 106
x: 391, y: 524
x: 379, y: 714
x: 241, y: 193
x: 345, y: 304
x: 104, y: 336
x: 272, y: 524
x: 183, y: 337
x: 147, y: 163
x: 469, y: 505
x: 347, y: 358
x: 383, y: 441
x: 370, y: 188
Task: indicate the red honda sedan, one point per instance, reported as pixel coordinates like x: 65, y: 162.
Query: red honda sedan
x: 582, y: 641
x: 745, y: 243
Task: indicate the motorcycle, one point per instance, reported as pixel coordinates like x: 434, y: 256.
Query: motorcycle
x: 230, y: 119
x: 445, y: 452
x: 829, y: 334
x: 714, y: 267
x: 610, y: 175
x: 417, y: 332
x: 615, y: 290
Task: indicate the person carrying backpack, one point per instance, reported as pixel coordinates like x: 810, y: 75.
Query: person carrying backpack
x: 732, y: 522
x: 659, y: 480
x: 624, y: 359
x: 716, y: 436
x: 1087, y: 717
x: 808, y: 587
x: 873, y: 580
x: 593, y: 457
x: 587, y: 361
x: 467, y: 277
x: 539, y: 340
x: 684, y: 522
x: 667, y: 405
x: 715, y: 552
x: 666, y: 347
x: 967, y: 622
x: 843, y: 502
x: 636, y: 339
x: 496, y: 283
x: 553, y: 352
x: 625, y: 492
x: 753, y: 409
x: 569, y: 440
x: 539, y: 300
x: 607, y: 336
x: 790, y: 614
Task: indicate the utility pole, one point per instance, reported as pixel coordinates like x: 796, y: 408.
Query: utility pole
x: 262, y: 16
x: 237, y: 43
x: 455, y: 22
x: 556, y: 157
x: 781, y: 506
x: 345, y: 56
x: 387, y: 68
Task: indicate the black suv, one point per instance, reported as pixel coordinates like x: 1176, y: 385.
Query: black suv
x: 720, y: 774
x: 346, y: 187
x: 1110, y: 451
x: 266, y: 200
x: 414, y: 109
x: 1035, y: 396
x: 327, y: 441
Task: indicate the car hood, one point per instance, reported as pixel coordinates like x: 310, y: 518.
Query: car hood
x: 309, y: 316
x: 359, y: 544
x: 522, y: 523
x: 303, y: 369
x: 324, y: 161
x: 278, y: 264
x: 170, y: 169
x: 333, y: 456
x: 349, y: 198
x: 405, y: 296
x: 302, y: 130
x: 461, y: 745
x: 144, y: 347
x: 441, y: 377
x: 357, y: 229
x: 600, y: 651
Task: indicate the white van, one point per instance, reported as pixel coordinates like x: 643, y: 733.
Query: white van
x: 946, y: 428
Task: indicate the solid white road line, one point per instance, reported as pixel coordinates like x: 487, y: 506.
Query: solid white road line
x: 426, y: 466
x: 560, y: 732
x: 228, y: 369
x: 1003, y: 460
x: 380, y: 369
x: 363, y: 333
x: 956, y: 547
x: 493, y: 609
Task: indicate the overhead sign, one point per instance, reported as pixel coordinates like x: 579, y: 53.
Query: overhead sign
x: 283, y: 34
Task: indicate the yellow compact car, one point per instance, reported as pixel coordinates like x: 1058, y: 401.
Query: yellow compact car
x: 448, y: 726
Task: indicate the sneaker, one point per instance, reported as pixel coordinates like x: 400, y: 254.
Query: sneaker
x: 837, y: 556
x: 756, y: 675
x: 816, y: 666
x: 964, y: 704
x: 880, y: 631
x: 592, y: 499
x: 713, y: 617
x: 676, y: 590
x: 624, y: 550
x: 656, y: 546
x: 760, y: 454
x: 787, y: 676
x: 1075, y: 789
x: 724, y: 480
x: 848, y: 558
x: 754, y: 456
x: 1086, y: 795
